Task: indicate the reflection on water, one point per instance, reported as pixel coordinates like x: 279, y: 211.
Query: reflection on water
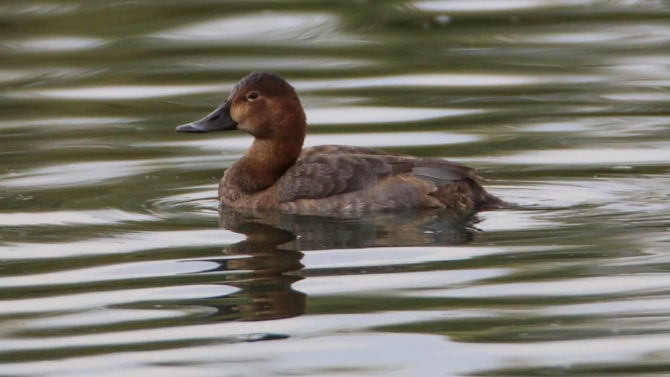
x: 415, y: 228
x: 115, y: 261
x: 271, y: 253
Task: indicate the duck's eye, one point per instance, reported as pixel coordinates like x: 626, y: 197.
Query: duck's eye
x: 252, y: 95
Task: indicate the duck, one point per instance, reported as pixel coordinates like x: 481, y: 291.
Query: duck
x: 276, y: 173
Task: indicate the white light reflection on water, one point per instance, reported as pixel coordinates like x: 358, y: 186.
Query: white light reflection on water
x: 38, y: 10
x: 74, y: 174
x: 397, y: 256
x: 491, y: 5
x: 99, y: 172
x: 487, y: 6
x: 119, y: 92
x: 650, y: 34
x: 371, y: 115
x: 7, y: 75
x: 52, y: 44
x: 390, y: 354
x: 572, y: 287
x: 417, y: 80
x: 80, y: 302
x: 306, y: 326
x: 110, y: 274
x: 604, y: 156
x: 225, y: 64
x: 97, y: 217
x: 99, y: 317
x: 275, y: 28
x: 599, y: 127
x: 422, y: 80
x: 120, y: 244
x: 386, y: 283
x: 660, y: 96
x: 143, y: 92
x: 68, y: 122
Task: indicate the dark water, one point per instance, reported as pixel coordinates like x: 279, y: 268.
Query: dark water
x: 116, y: 262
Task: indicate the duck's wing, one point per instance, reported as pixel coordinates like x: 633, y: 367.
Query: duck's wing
x: 321, y: 175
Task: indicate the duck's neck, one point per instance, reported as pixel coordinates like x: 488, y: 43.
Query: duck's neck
x: 265, y: 162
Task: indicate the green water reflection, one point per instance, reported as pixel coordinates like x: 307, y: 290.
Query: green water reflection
x: 116, y: 261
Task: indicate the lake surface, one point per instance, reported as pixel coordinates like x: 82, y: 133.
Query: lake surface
x: 115, y: 260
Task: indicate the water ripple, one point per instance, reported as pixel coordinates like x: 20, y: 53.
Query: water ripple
x: 273, y: 28
x: 109, y: 216
x: 596, y: 156
x: 117, y: 262
x: 491, y: 5
x: 120, y: 244
x: 52, y: 44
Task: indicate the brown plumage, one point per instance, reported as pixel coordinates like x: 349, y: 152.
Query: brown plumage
x: 275, y: 173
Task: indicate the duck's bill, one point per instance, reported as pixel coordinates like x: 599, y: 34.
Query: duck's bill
x: 218, y: 120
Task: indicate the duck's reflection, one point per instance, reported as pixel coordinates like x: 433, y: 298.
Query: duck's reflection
x: 268, y: 260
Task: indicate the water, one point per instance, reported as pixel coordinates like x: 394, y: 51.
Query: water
x: 116, y: 262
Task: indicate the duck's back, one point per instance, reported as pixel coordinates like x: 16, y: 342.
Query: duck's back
x: 331, y: 178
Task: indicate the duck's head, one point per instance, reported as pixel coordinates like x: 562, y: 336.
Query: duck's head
x: 261, y: 104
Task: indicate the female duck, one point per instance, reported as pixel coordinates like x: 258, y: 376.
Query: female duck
x: 276, y: 173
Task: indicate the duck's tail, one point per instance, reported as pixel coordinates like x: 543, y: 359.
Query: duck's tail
x: 483, y: 200
x: 492, y: 202
x: 468, y: 194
